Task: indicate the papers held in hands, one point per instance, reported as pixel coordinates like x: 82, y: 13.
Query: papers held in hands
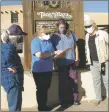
x: 64, y: 52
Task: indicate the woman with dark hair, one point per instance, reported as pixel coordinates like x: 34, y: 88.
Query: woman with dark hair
x: 11, y: 73
x: 62, y: 40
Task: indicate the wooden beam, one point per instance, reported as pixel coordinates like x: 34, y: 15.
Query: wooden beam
x: 27, y: 28
x: 81, y: 10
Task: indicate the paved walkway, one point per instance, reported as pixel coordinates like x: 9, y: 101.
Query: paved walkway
x: 29, y: 99
x: 85, y: 106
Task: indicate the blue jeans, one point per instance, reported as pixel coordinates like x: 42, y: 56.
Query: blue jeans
x: 14, y: 97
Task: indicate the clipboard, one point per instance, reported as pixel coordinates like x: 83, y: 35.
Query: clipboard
x: 65, y: 51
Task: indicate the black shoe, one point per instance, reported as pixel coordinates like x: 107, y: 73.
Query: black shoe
x: 44, y: 108
x: 48, y: 108
x: 76, y: 103
x: 64, y: 105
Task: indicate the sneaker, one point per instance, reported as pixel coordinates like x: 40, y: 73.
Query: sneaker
x: 48, y: 108
x: 97, y: 102
x: 76, y: 103
x: 64, y: 105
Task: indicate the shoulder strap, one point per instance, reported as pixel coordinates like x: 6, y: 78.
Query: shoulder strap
x: 73, y: 36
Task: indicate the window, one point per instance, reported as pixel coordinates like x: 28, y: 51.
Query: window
x: 14, y: 17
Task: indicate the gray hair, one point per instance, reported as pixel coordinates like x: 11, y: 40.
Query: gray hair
x: 5, y: 37
x: 14, y: 38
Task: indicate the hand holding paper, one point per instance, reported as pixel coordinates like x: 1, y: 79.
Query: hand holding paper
x: 61, y: 54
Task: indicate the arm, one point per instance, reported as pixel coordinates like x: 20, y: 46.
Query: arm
x: 10, y: 59
x: 11, y: 62
x: 44, y: 55
x: 106, y: 37
x: 76, y: 49
x: 76, y: 53
x: 36, y: 50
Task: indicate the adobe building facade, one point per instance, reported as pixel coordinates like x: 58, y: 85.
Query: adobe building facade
x: 7, y: 10
x: 11, y: 14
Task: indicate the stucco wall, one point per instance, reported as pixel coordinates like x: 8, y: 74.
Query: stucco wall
x: 6, y: 17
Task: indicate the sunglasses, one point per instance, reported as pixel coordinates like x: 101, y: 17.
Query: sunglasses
x: 87, y: 26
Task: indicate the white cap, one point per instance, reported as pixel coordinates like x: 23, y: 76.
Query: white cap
x: 88, y: 20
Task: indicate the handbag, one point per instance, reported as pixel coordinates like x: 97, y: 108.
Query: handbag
x: 73, y: 72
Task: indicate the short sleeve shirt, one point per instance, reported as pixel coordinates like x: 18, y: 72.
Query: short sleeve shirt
x: 62, y: 42
x: 43, y: 46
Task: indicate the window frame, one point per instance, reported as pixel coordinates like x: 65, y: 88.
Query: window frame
x: 14, y: 17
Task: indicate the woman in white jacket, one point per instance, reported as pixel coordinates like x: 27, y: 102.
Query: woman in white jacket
x: 97, y: 46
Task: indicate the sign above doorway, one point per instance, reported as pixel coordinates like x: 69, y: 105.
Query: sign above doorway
x: 54, y: 15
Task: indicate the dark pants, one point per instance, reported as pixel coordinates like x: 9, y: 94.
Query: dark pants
x: 42, y: 81
x: 68, y: 88
x: 14, y: 97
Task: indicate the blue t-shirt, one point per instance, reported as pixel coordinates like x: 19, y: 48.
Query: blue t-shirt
x: 62, y: 42
x: 43, y: 46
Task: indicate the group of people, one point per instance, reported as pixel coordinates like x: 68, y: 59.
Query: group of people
x: 61, y: 48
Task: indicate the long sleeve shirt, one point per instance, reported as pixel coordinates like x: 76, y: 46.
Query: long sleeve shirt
x: 10, y: 59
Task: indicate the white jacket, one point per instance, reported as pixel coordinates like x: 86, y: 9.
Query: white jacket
x: 102, y: 46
